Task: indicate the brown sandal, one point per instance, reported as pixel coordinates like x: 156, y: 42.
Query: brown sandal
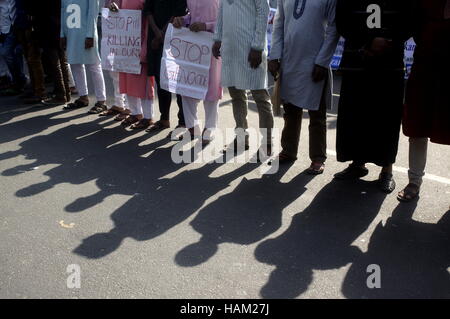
x: 122, y: 116
x: 142, y: 124
x: 130, y: 120
x: 115, y: 110
x: 409, y: 193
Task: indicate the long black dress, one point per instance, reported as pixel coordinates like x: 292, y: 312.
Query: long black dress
x: 372, y: 92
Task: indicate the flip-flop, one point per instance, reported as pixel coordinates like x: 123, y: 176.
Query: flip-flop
x: 111, y: 112
x: 142, y: 124
x: 98, y: 108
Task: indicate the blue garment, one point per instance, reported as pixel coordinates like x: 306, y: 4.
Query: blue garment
x: 11, y: 52
x: 89, y: 11
x: 304, y: 35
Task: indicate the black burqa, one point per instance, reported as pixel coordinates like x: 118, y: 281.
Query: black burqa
x: 372, y: 92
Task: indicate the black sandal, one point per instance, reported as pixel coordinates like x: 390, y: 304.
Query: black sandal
x: 409, y: 193
x: 77, y: 104
x: 98, y: 108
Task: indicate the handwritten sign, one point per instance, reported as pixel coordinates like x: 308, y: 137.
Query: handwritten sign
x: 186, y: 62
x: 121, y: 41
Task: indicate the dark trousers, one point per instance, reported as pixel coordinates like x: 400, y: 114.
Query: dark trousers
x: 33, y: 57
x: 165, y: 100
x: 60, y: 71
x: 290, y: 137
x: 12, y: 53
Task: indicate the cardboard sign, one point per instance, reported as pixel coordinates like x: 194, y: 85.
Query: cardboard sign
x: 121, y: 41
x: 186, y: 62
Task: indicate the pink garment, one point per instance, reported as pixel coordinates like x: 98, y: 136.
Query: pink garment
x: 206, y: 11
x: 138, y: 85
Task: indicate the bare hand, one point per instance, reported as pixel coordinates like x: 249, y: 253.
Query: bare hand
x: 89, y: 43
x: 255, y: 58
x: 197, y: 27
x: 216, y: 49
x: 319, y: 73
x: 114, y: 7
x: 178, y: 22
x: 274, y: 68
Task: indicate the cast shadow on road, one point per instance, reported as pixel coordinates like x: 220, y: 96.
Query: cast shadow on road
x: 251, y: 212
x: 414, y: 258
x: 320, y: 237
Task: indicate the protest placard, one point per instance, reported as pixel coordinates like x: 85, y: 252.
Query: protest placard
x: 121, y: 41
x: 186, y: 62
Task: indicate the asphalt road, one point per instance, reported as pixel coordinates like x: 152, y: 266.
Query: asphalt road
x: 80, y: 190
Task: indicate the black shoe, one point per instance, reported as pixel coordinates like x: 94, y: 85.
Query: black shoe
x: 352, y: 172
x: 235, y: 147
x: 386, y: 183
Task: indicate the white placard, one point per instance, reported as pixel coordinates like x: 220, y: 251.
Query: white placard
x: 186, y: 62
x: 121, y: 41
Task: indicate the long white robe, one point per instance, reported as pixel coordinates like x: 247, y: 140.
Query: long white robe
x: 304, y: 35
x: 242, y: 26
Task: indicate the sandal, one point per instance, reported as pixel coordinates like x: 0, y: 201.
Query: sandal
x: 122, y: 116
x: 316, y: 168
x: 386, y: 182
x: 157, y: 127
x: 115, y: 110
x: 409, y: 193
x: 98, y: 108
x: 142, y: 124
x: 78, y: 103
x: 129, y: 121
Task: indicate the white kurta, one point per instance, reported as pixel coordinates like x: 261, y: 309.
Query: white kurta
x: 242, y: 26
x: 304, y: 35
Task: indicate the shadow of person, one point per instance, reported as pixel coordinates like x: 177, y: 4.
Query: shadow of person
x: 413, y: 257
x: 164, y: 204
x: 251, y: 212
x: 320, y: 237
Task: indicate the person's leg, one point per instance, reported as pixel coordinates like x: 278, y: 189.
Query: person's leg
x: 164, y: 99
x: 65, y: 71
x: 262, y: 100
x: 79, y: 76
x: 239, y: 102
x: 418, y: 149
x: 318, y: 134
x: 148, y: 109
x: 55, y: 64
x: 290, y: 136
x: 99, y: 82
x: 211, y: 119
x: 119, y: 99
x: 190, y: 112
x: 13, y: 58
x: 34, y: 59
x: 181, y: 121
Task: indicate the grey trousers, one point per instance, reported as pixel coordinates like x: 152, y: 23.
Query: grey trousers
x: 418, y: 148
x: 240, y: 111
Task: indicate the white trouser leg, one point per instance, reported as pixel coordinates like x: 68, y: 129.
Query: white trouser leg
x: 71, y: 79
x: 79, y: 75
x: 211, y: 114
x: 418, y: 148
x: 119, y: 99
x: 190, y: 111
x: 99, y: 81
x: 147, y: 109
x: 135, y: 105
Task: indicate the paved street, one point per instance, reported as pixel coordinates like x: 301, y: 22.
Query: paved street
x: 79, y: 189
